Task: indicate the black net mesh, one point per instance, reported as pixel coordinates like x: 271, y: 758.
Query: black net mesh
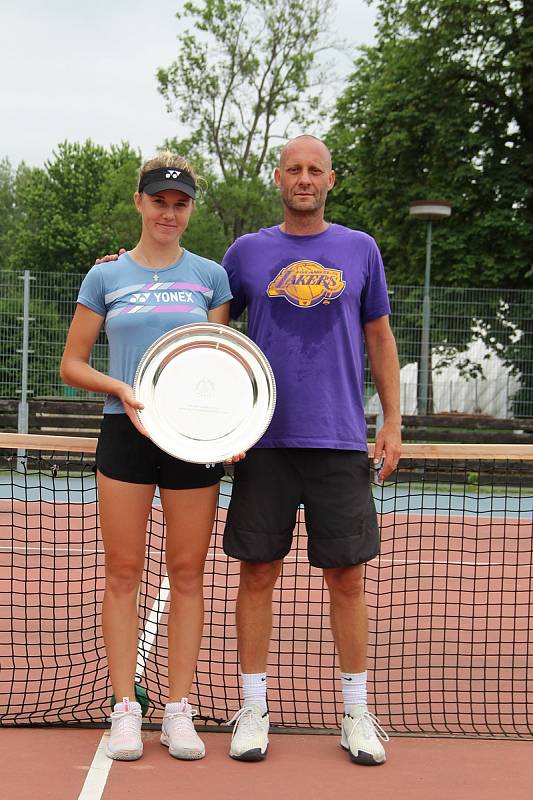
x: 450, y: 596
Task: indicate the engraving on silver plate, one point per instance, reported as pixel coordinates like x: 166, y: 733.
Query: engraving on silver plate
x: 208, y: 391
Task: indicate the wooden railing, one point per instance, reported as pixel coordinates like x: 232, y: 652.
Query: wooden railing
x: 68, y: 417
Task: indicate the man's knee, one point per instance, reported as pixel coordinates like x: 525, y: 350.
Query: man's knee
x: 346, y: 582
x: 258, y: 576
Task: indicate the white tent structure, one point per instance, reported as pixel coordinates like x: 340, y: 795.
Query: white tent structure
x: 488, y: 389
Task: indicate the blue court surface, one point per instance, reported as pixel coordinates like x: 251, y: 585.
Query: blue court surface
x: 401, y: 498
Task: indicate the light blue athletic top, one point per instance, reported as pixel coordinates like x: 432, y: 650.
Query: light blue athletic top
x: 138, y: 310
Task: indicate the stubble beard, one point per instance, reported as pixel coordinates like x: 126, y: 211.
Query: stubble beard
x: 309, y: 210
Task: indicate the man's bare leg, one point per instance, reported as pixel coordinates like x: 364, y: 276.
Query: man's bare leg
x: 349, y: 624
x: 349, y: 616
x: 254, y: 613
x: 254, y: 627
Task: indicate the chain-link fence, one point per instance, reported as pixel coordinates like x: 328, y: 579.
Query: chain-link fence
x: 47, y: 315
x: 481, y: 344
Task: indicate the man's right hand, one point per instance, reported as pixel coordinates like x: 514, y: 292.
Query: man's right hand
x: 110, y: 257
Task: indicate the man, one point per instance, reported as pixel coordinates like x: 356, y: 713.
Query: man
x: 315, y: 295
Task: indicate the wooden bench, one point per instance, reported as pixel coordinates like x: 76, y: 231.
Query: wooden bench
x: 51, y: 416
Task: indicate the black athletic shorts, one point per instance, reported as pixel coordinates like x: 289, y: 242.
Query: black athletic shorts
x: 334, y: 488
x: 126, y: 455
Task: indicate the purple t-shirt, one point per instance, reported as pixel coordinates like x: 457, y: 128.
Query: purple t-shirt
x: 307, y: 299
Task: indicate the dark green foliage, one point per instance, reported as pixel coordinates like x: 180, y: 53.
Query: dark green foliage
x: 79, y: 206
x: 442, y: 108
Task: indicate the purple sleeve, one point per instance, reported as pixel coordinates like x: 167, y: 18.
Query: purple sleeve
x: 230, y: 262
x: 375, y: 299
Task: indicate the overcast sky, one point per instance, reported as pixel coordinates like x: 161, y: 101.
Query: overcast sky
x: 85, y: 69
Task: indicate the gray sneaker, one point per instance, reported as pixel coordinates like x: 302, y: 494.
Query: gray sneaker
x: 360, y: 735
x: 249, y: 741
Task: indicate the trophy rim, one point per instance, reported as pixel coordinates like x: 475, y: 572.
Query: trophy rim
x: 211, y: 338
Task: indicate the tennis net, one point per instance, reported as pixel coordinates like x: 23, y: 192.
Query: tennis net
x: 450, y: 599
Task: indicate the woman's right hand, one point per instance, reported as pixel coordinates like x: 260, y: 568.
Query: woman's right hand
x: 131, y: 406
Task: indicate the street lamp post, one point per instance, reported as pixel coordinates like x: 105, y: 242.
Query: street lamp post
x: 427, y: 210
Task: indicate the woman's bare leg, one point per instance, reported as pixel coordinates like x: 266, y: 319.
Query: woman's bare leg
x: 189, y: 515
x: 124, y: 509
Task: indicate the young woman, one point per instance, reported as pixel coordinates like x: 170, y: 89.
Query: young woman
x: 129, y: 465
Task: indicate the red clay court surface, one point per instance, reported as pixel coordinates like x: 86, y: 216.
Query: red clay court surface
x: 53, y: 764
x: 416, y: 627
x: 450, y: 643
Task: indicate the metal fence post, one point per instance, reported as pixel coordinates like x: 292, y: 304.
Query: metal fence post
x: 25, y: 350
x: 425, y: 350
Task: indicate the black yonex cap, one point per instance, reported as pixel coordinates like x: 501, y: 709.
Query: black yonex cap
x: 158, y: 180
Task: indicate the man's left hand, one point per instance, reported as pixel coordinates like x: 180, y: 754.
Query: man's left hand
x: 388, y: 448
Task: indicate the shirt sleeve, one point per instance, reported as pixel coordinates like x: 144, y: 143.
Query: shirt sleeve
x: 92, y: 292
x: 230, y: 262
x: 375, y: 299
x: 221, y: 288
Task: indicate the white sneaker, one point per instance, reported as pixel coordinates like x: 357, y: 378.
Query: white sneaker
x: 359, y: 734
x: 178, y: 732
x: 125, y: 743
x: 249, y: 741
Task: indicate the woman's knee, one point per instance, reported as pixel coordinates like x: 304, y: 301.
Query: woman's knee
x: 186, y: 579
x: 122, y: 578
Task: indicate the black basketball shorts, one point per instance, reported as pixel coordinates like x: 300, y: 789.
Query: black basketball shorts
x: 332, y: 485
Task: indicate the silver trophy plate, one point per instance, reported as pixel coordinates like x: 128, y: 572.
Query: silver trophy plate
x: 208, y: 392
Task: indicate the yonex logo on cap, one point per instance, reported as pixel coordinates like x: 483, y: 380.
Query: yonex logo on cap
x: 163, y: 178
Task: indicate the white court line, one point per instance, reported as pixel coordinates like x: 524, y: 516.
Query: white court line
x: 82, y: 551
x: 98, y: 773
x: 399, y: 562
x: 96, y: 779
x: 212, y: 556
x: 150, y: 628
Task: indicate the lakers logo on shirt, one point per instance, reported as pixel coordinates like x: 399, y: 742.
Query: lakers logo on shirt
x: 306, y: 284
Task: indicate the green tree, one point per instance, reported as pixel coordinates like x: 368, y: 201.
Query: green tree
x: 78, y: 206
x: 7, y: 204
x: 240, y: 81
x: 211, y: 228
x: 442, y: 107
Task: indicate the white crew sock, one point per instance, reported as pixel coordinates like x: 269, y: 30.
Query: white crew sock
x: 182, y: 707
x: 127, y: 705
x: 353, y: 689
x: 254, y: 689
